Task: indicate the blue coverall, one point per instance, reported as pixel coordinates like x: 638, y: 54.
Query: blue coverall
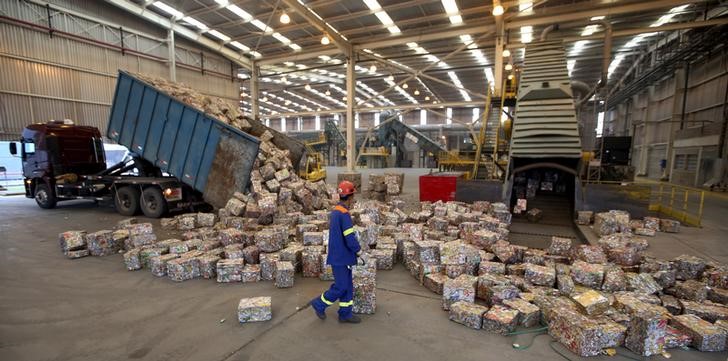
x: 343, y: 248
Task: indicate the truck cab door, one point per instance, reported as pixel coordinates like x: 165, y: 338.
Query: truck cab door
x: 33, y: 165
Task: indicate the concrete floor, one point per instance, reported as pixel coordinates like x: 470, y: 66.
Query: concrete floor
x: 52, y: 308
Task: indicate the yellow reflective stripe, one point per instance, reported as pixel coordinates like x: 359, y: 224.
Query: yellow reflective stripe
x: 348, y: 231
x: 346, y: 304
x: 325, y: 300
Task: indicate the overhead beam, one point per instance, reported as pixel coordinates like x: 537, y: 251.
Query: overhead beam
x: 317, y: 22
x: 565, y: 13
x: 165, y: 23
x: 381, y: 108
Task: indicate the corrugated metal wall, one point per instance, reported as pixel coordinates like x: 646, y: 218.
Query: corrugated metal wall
x: 55, y: 77
x: 651, y: 116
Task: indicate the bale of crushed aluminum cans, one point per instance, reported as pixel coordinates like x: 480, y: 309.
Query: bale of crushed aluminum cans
x: 706, y: 310
x: 690, y: 290
x: 529, y: 314
x: 145, y: 254
x: 284, y: 274
x: 72, y: 240
x: 614, y: 279
x: 268, y: 265
x: 365, y: 286
x: 78, y: 254
x: 584, y: 217
x: 498, y: 293
x: 250, y: 273
x: 385, y: 258
x: 255, y: 309
x: 591, y: 302
x: 578, y: 333
x: 208, y: 266
x: 540, y: 275
x: 500, y: 319
x: 468, y: 314
x: 427, y: 252
x: 491, y: 267
x: 230, y: 270
x: 271, y: 239
x: 458, y: 289
x: 589, y: 254
x: 435, y: 282
x: 183, y: 269
x: 560, y: 246
x: 311, y: 260
x: 688, y: 267
x: 675, y: 338
x: 158, y: 264
x: 132, y: 261
x: 587, y: 274
x: 642, y: 282
x: 646, y: 333
x: 102, y: 243
x: 669, y: 225
x: 313, y: 238
x: 705, y: 335
x: 605, y: 223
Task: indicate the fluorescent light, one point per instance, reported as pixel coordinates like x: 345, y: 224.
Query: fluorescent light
x: 450, y: 6
x: 526, y: 7
x: 324, y: 57
x: 295, y: 47
x: 281, y: 38
x: 256, y: 54
x: 260, y: 25
x: 372, y: 5
x: 526, y: 34
x: 222, y: 2
x: 597, y: 18
x: 168, y: 9
x: 394, y: 29
x: 240, y: 46
x: 384, y: 18
x: 588, y: 30
x: 412, y: 45
x: 456, y: 19
x: 192, y: 21
x: 240, y: 12
x: 219, y: 35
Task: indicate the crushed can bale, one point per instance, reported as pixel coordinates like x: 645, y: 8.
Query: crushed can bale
x: 688, y: 267
x: 250, y: 273
x: 72, y: 240
x: 208, y: 266
x: 158, y: 264
x: 576, y: 332
x: 458, y: 289
x: 646, y: 333
x: 690, y: 290
x: 365, y: 285
x: 230, y: 270
x: 705, y: 335
x: 529, y: 314
x: 500, y: 319
x: 256, y: 309
x: 132, y: 261
x: 468, y: 314
x: 101, y: 243
x: 591, y: 302
x: 284, y: 274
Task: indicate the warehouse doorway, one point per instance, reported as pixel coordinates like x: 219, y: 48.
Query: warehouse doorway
x: 549, y: 186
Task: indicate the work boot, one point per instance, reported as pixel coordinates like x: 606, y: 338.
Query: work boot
x: 321, y: 315
x: 352, y: 319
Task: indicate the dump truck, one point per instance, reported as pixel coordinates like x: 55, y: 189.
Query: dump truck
x: 180, y: 157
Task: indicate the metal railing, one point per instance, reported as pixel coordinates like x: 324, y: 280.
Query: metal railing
x: 682, y: 203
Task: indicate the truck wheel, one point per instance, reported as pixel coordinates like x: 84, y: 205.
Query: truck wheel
x: 153, y: 203
x: 127, y: 201
x: 44, y: 196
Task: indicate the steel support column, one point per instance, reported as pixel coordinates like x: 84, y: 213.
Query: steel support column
x: 172, y: 56
x: 350, y: 99
x: 255, y: 91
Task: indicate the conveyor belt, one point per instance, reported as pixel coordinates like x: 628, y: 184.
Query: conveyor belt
x: 557, y: 221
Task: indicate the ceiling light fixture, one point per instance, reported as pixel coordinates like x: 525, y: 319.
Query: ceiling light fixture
x: 405, y: 86
x: 506, y: 53
x: 427, y: 97
x: 417, y: 92
x: 308, y: 87
x: 327, y: 92
x: 372, y: 68
x: 285, y: 19
x: 325, y: 40
x: 509, y: 67
x: 497, y: 8
x: 285, y: 80
x: 510, y: 76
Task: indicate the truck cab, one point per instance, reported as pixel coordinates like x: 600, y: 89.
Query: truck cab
x: 58, y: 149
x: 64, y: 161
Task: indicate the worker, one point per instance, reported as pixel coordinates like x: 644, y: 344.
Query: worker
x: 344, y: 252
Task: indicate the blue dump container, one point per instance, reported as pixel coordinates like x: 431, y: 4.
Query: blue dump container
x: 201, y: 151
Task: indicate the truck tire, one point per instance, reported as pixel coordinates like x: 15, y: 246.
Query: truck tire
x: 44, y: 196
x: 127, y: 201
x: 153, y: 203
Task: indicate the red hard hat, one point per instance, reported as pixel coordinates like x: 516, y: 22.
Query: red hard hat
x: 346, y: 188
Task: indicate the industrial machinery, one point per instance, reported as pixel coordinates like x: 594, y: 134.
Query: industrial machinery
x: 313, y: 169
x: 610, y: 161
x: 392, y: 133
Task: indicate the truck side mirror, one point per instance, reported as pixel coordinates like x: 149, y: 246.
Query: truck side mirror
x: 13, y: 148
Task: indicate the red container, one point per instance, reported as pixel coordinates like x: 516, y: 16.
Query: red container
x: 439, y: 186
